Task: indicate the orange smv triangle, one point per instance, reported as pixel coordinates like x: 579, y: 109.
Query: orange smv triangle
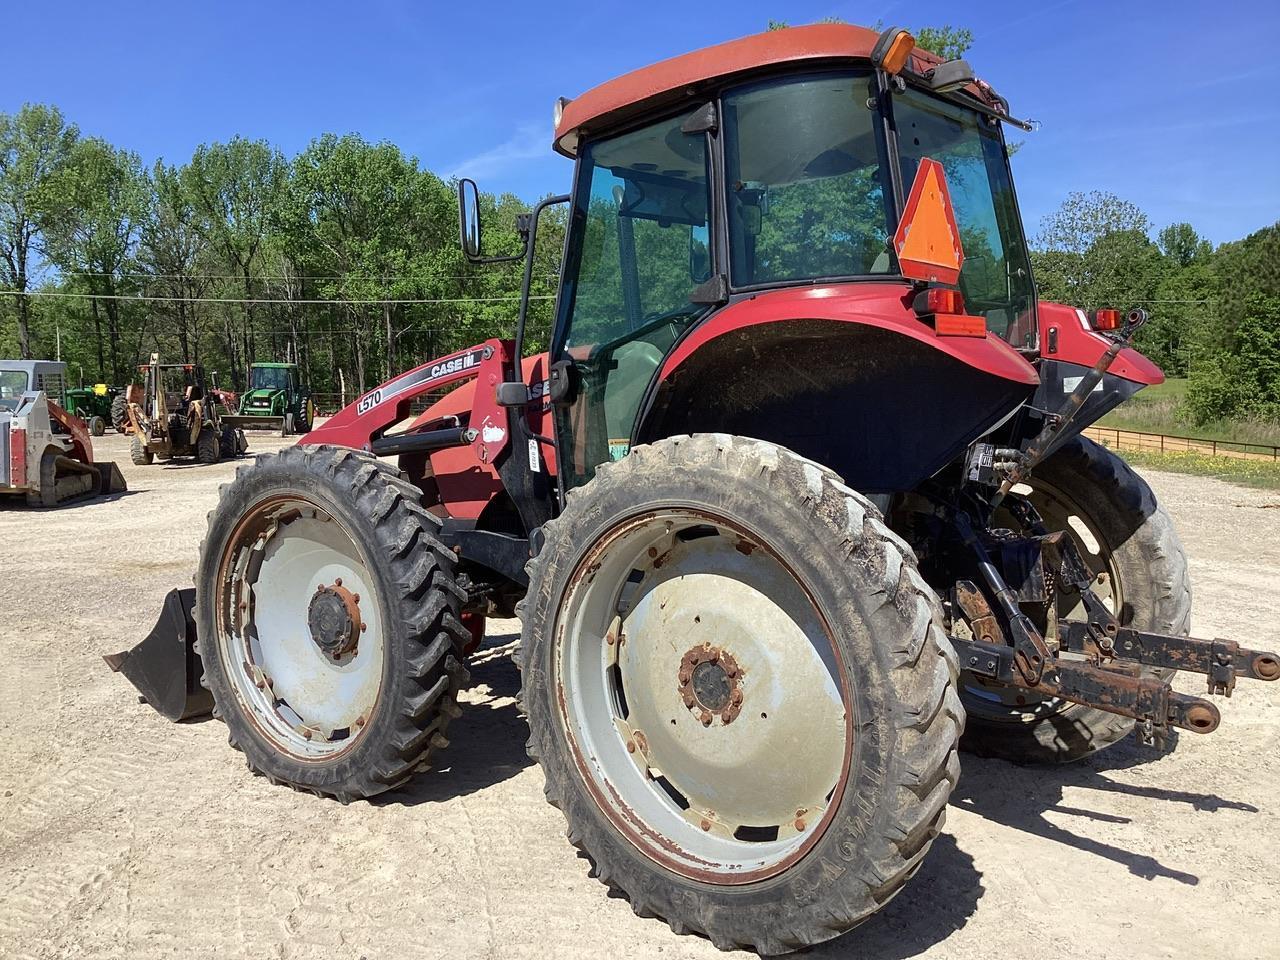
x: 927, y: 240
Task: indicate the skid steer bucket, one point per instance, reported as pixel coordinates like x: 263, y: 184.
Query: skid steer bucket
x: 112, y: 480
x: 165, y: 666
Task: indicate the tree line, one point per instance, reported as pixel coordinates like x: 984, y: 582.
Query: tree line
x: 344, y: 258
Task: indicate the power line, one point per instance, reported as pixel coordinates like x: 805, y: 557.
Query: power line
x: 120, y: 296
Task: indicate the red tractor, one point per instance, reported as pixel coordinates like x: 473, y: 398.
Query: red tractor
x: 797, y: 495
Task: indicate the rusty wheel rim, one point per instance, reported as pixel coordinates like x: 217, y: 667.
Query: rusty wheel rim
x: 702, y: 696
x: 299, y: 632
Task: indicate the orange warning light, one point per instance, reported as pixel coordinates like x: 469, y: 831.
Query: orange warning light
x: 927, y: 240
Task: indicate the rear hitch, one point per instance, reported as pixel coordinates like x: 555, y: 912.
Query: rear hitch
x: 1102, y: 668
x: 1221, y: 661
x: 1153, y: 703
x: 165, y: 666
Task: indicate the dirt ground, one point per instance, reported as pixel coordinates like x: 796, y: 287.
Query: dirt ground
x: 122, y: 835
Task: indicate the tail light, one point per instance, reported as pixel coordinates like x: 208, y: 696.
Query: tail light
x: 938, y: 300
x: 948, y: 325
x: 946, y: 307
x: 1107, y: 319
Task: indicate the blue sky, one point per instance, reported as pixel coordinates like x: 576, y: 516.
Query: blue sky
x: 1151, y: 100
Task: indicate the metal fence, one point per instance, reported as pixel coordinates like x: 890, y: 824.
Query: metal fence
x: 1165, y: 443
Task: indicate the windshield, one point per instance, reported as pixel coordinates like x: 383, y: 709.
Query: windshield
x: 269, y: 378
x: 996, y: 276
x: 13, y: 383
x: 804, y: 159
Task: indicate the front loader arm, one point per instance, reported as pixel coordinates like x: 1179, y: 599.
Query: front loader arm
x: 362, y: 424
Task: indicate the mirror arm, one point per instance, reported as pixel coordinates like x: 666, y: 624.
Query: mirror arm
x: 531, y: 252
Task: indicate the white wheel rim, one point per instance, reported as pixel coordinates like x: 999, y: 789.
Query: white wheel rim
x: 731, y: 789
x: 312, y: 703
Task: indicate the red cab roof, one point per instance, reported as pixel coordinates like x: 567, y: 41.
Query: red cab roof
x: 614, y: 101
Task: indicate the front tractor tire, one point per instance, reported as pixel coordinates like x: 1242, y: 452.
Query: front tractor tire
x: 1128, y: 542
x: 329, y: 621
x: 739, y: 691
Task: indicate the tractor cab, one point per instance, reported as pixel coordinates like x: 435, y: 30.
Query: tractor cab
x: 709, y: 189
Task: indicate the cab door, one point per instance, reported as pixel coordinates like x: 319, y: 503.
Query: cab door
x: 639, y: 249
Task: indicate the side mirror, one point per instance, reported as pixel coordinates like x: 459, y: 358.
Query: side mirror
x: 949, y: 76
x: 469, y: 218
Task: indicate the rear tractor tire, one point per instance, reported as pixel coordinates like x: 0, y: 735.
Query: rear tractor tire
x: 119, y: 413
x: 138, y: 452
x: 1140, y: 571
x: 329, y: 621
x: 739, y: 691
x: 207, y: 445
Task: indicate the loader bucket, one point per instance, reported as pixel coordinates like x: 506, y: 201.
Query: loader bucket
x: 165, y: 666
x: 112, y: 480
x: 250, y: 422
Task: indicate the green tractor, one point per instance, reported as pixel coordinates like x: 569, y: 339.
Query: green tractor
x: 275, y: 400
x: 93, y: 405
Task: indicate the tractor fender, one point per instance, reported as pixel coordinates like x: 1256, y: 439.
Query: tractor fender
x: 1065, y: 336
x: 846, y: 375
x: 1069, y: 348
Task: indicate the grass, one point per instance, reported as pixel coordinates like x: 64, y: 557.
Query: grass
x: 1264, y: 474
x: 1158, y: 409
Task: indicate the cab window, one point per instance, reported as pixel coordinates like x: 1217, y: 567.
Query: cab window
x: 639, y: 247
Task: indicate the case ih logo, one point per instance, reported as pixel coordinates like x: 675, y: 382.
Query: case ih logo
x: 425, y: 375
x: 446, y: 367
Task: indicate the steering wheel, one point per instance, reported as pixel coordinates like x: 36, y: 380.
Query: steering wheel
x: 652, y: 322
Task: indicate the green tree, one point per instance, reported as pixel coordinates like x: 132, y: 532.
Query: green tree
x: 1244, y: 382
x: 1093, y: 251
x: 236, y: 190
x: 1182, y: 245
x: 177, y: 255
x: 34, y: 145
x: 94, y: 209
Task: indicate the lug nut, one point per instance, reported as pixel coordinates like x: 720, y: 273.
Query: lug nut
x: 706, y: 824
x: 799, y: 825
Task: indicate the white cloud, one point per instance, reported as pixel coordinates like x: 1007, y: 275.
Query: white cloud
x: 531, y: 141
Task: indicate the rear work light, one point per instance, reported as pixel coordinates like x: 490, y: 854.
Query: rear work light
x: 1107, y: 319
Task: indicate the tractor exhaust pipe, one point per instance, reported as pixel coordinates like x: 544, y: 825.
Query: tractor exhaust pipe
x: 165, y: 666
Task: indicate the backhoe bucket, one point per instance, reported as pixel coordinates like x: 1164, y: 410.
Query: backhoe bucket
x: 165, y: 666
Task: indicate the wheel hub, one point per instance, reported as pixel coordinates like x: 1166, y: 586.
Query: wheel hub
x: 709, y: 684
x: 334, y: 620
